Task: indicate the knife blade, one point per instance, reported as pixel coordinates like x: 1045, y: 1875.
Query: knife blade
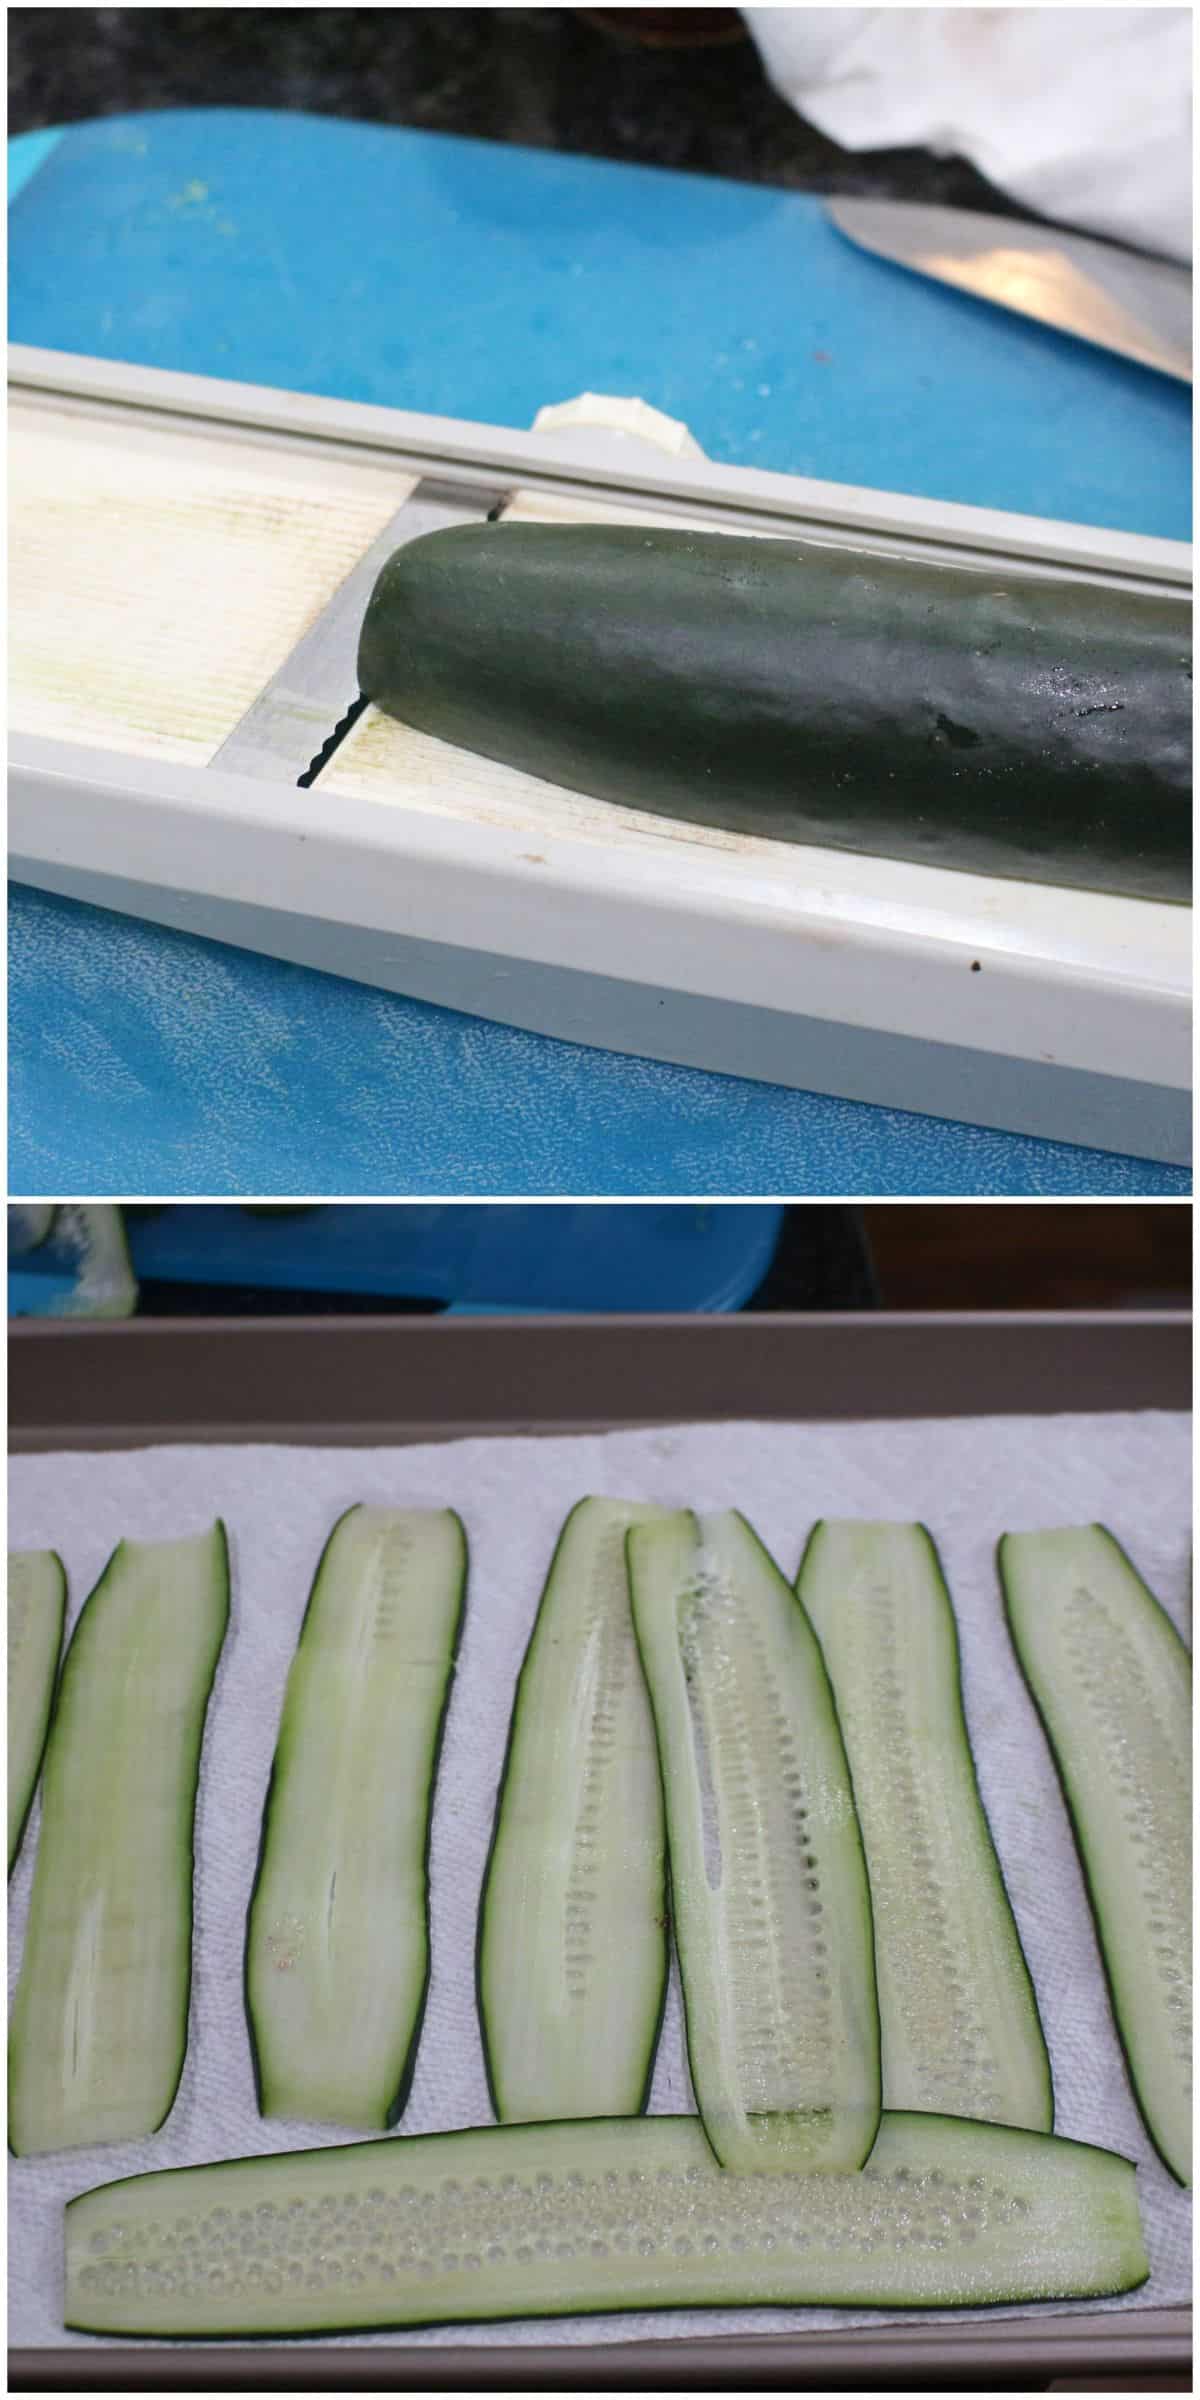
x: 306, y: 701
x: 1119, y: 299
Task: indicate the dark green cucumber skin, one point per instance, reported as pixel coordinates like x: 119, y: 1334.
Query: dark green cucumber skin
x: 823, y: 1676
x: 70, y: 1658
x: 939, y: 1572
x: 399, y: 2101
x: 499, y: 2316
x: 1076, y: 1825
x: 50, y: 1701
x: 494, y: 2095
x: 957, y: 716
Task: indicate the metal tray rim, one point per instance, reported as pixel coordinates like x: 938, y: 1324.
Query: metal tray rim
x: 1139, y: 2340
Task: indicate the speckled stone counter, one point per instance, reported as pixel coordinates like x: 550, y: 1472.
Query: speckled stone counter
x: 550, y: 78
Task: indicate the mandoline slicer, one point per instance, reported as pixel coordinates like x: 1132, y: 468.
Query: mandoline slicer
x: 189, y: 564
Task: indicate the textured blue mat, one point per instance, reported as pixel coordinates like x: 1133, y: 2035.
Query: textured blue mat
x: 126, y: 1054
x: 479, y: 281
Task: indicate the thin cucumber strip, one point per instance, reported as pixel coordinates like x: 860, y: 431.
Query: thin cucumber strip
x: 99, y: 2027
x: 961, y: 2031
x: 37, y: 1602
x: 770, y: 1899
x: 337, y: 1939
x: 1112, y: 1683
x: 573, y: 1948
x: 567, y: 2220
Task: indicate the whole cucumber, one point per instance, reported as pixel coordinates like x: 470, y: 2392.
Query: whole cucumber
x: 959, y: 715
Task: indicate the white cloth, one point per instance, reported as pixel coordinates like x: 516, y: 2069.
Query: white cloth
x: 1082, y: 113
x: 968, y: 1481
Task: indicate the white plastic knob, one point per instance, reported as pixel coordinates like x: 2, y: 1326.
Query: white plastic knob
x: 618, y: 421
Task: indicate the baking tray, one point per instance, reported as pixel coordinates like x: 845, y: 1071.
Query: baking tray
x: 117, y: 1386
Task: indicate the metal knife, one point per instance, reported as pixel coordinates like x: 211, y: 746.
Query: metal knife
x: 310, y: 701
x: 1120, y: 299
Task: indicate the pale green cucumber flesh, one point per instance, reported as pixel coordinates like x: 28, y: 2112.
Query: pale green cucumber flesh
x: 571, y: 2219
x: 1112, y: 1683
x: 337, y: 1943
x: 770, y: 1901
x: 37, y: 1600
x: 959, y: 2019
x: 572, y: 1956
x: 99, y: 2026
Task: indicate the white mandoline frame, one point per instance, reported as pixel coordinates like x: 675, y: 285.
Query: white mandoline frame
x: 860, y: 981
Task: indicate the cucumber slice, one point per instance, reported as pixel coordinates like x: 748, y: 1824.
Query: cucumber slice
x: 961, y: 2031
x: 572, y: 1958
x: 99, y: 2027
x: 566, y: 2220
x: 1112, y: 1683
x: 770, y: 1897
x: 37, y: 1601
x: 337, y: 1938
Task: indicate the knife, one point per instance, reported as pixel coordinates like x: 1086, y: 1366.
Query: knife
x: 289, y: 732
x: 1120, y: 299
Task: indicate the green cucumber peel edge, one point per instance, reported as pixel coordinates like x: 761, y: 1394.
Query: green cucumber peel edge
x: 219, y: 1532
x: 1072, y: 1820
x: 19, y: 1831
x: 939, y: 1572
x: 399, y: 2101
x: 501, y: 1786
x: 819, y: 1662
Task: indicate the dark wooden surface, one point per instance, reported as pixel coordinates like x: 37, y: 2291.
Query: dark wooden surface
x: 1073, y: 1254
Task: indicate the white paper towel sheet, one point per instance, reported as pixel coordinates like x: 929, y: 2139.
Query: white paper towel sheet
x: 968, y: 1480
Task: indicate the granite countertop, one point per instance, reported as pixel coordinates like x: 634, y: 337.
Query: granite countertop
x: 550, y: 78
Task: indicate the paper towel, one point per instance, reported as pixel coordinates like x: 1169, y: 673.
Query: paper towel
x: 1083, y: 113
x: 968, y: 1480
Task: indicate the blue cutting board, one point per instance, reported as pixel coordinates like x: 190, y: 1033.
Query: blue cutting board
x: 472, y: 1259
x: 477, y: 280
x: 475, y: 1259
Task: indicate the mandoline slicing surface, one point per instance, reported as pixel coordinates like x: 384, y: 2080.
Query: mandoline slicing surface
x: 157, y: 579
